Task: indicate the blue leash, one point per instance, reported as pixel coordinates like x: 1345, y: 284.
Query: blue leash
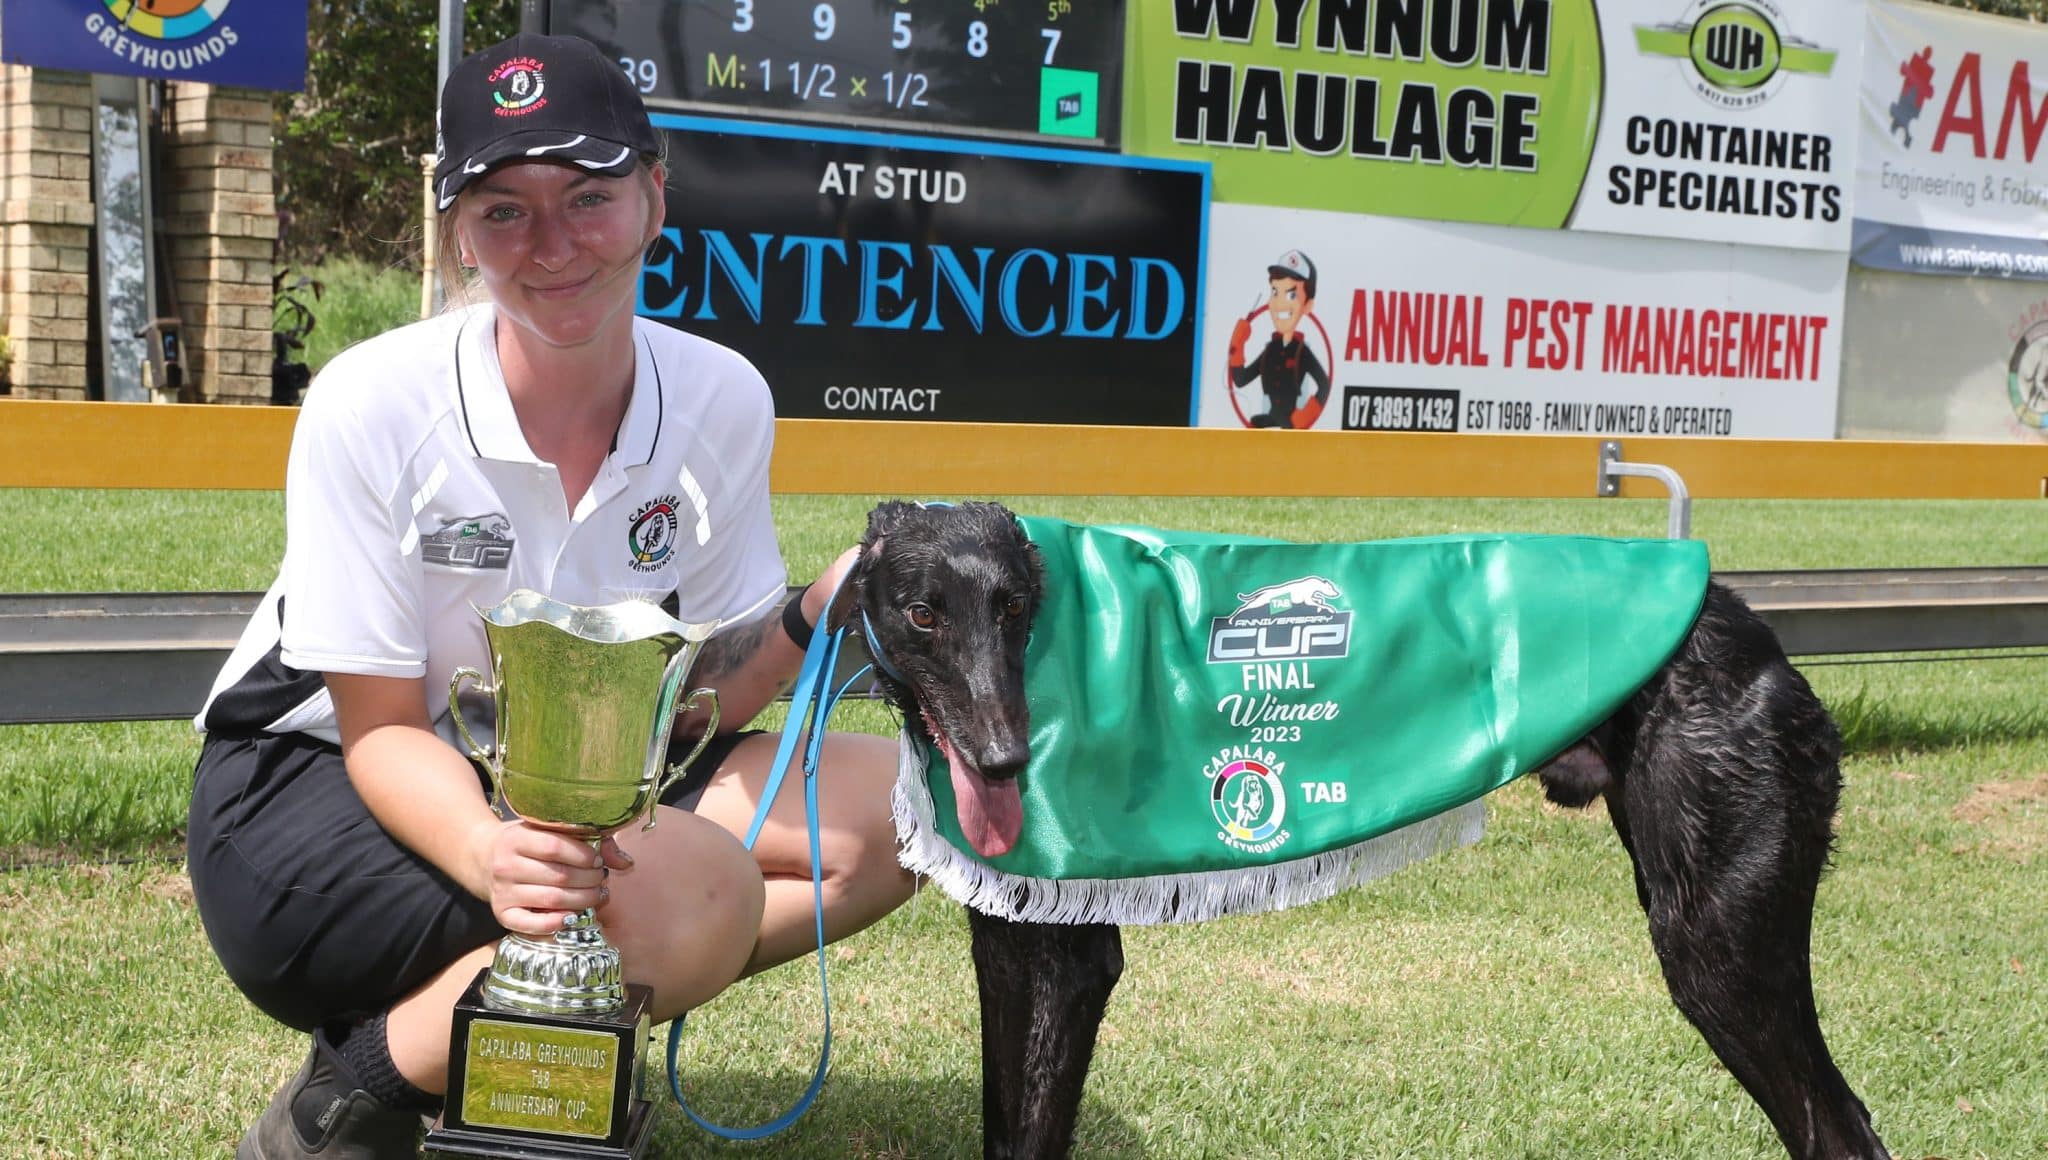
x: 812, y: 699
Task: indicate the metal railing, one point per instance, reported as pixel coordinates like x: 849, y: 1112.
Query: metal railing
x: 129, y: 656
x: 153, y: 656
x: 107, y: 657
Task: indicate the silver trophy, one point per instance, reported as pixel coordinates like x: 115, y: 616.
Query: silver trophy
x: 585, y: 697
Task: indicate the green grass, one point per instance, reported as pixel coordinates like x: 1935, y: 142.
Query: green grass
x: 1501, y: 1001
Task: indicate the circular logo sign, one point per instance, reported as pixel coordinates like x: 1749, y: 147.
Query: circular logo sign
x: 167, y: 19
x: 1248, y: 800
x: 1735, y: 53
x: 1250, y: 398
x: 1735, y: 48
x: 2026, y: 376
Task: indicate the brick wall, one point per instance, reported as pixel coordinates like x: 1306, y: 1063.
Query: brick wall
x: 220, y: 218
x: 220, y: 221
x: 45, y: 228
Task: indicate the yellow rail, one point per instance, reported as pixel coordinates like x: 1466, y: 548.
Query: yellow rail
x: 140, y: 445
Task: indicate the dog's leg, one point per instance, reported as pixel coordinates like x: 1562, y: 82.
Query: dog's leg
x: 1724, y: 778
x: 1043, y: 991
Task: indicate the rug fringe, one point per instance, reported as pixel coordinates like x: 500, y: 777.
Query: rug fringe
x: 1166, y: 898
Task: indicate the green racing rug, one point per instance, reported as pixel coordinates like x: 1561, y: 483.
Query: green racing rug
x: 1225, y: 725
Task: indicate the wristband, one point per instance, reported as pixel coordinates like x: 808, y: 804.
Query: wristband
x: 793, y: 621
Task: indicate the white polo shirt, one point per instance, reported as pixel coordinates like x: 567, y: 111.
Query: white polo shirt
x: 411, y: 495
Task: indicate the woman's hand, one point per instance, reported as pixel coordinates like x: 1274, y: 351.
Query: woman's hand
x: 828, y: 581
x: 539, y: 878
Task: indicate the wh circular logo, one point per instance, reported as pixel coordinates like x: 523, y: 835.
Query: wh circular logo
x: 518, y: 86
x: 167, y: 19
x: 1736, y: 53
x: 652, y: 536
x: 1735, y: 48
x: 1248, y: 800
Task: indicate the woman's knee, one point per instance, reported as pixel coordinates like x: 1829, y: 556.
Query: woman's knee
x: 686, y: 915
x: 857, y: 824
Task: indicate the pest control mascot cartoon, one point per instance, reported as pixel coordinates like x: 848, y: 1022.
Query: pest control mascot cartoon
x: 1286, y: 363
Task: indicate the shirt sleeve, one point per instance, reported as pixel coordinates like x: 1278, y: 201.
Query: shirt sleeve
x: 352, y: 574
x: 735, y: 571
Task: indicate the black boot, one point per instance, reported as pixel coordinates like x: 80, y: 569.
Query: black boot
x: 321, y: 1113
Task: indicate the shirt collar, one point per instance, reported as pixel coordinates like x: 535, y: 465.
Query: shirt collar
x: 480, y: 384
x: 641, y: 431
x: 487, y: 406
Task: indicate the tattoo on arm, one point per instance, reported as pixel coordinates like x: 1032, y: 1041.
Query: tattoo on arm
x: 727, y: 654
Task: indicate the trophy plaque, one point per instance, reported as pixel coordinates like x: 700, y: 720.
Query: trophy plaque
x: 544, y: 1057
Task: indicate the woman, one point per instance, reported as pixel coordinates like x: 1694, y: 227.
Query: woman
x: 347, y: 865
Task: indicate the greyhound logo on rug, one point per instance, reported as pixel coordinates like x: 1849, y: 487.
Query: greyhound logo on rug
x: 1292, y: 621
x: 1248, y: 799
x: 1278, y: 598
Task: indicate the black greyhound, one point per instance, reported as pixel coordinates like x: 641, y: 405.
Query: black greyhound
x: 1721, y: 776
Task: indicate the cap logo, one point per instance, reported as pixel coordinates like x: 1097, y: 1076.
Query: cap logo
x: 518, y: 87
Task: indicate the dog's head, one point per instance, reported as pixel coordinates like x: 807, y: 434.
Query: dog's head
x: 949, y: 594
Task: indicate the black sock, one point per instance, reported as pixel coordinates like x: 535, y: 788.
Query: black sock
x: 366, y: 1054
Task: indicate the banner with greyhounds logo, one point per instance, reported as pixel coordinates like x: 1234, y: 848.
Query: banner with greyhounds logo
x: 258, y: 44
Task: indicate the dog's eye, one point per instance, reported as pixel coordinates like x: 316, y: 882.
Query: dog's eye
x: 921, y: 615
x: 1014, y: 607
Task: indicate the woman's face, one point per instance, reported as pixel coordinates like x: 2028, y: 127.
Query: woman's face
x: 559, y: 248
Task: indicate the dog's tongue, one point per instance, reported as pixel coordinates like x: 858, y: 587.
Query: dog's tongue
x: 991, y: 812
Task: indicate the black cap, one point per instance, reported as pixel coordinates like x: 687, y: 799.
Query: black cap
x: 1295, y: 264
x: 552, y: 98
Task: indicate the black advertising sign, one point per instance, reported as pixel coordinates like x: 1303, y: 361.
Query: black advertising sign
x: 1046, y: 70
x: 881, y: 277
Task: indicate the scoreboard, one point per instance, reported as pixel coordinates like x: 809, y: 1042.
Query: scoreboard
x: 1033, y: 70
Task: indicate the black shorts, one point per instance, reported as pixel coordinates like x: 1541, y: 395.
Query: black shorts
x: 317, y: 913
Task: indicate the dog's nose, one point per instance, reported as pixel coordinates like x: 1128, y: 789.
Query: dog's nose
x: 1004, y: 757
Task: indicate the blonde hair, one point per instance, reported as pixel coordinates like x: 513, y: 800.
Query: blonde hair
x: 458, y: 282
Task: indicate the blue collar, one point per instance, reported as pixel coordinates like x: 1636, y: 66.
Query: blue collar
x: 875, y: 650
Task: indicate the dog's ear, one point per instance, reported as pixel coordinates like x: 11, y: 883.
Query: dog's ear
x: 886, y: 517
x: 844, y: 601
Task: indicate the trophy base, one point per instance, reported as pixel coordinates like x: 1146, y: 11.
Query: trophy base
x: 445, y: 1141
x: 457, y: 1142
x: 528, y: 1086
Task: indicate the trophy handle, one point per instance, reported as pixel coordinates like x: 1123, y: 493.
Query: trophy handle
x: 704, y: 740
x: 477, y: 752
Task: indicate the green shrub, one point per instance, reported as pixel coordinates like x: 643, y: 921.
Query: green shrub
x: 357, y: 299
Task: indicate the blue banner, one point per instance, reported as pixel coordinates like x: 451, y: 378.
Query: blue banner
x: 258, y: 44
x: 1919, y: 250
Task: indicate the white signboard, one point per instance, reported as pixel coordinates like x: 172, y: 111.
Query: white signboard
x: 1346, y: 321
x: 1726, y: 120
x: 1952, y: 176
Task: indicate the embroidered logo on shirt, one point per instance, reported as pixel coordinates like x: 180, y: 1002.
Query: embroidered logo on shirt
x: 471, y: 542
x: 652, y: 535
